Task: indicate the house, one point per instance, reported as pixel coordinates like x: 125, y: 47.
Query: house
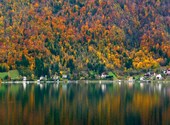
x: 64, y: 76
x: 104, y: 75
x: 168, y: 71
x: 130, y: 79
x: 159, y: 77
x: 24, y: 78
x: 141, y: 78
x: 164, y: 72
x: 42, y: 78
x: 148, y: 74
x: 55, y: 77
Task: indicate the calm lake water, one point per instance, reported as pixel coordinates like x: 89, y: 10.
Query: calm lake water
x: 82, y: 104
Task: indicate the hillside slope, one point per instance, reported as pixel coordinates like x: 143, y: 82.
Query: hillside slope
x: 42, y: 37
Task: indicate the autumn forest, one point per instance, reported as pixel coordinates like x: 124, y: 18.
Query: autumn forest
x: 44, y: 37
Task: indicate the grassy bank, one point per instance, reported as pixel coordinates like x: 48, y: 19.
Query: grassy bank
x: 12, y: 74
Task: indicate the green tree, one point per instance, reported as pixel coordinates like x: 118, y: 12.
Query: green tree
x: 39, y: 67
x: 55, y: 68
x: 128, y: 63
x: 24, y: 62
x: 70, y: 64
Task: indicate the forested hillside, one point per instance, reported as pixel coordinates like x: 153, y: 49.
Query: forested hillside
x: 42, y: 37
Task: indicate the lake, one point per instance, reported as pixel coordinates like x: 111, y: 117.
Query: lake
x: 85, y: 104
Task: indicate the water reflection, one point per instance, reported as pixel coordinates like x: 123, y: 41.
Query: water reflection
x: 103, y: 87
x: 82, y: 104
x: 141, y: 85
x: 24, y: 85
x: 64, y: 87
x: 55, y: 86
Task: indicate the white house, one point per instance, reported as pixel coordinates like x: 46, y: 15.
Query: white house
x: 41, y: 78
x: 159, y: 77
x: 168, y: 71
x: 104, y: 75
x: 55, y: 77
x: 64, y: 76
x: 164, y: 72
x: 24, y: 78
x: 148, y: 74
x: 141, y: 78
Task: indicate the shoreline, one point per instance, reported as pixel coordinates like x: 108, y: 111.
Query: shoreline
x: 87, y: 82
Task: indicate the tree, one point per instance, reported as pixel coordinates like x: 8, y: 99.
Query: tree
x: 55, y: 68
x: 39, y: 67
x: 100, y: 68
x: 70, y: 64
x: 128, y: 63
x: 24, y: 62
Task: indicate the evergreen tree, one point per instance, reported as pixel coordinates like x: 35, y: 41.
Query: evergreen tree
x: 70, y: 64
x: 39, y: 67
